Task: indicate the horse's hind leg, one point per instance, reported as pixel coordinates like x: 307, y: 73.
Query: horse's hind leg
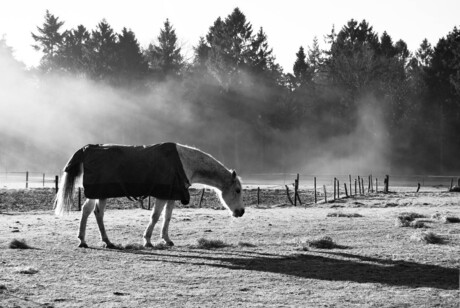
x: 167, y: 219
x: 156, y: 213
x: 87, y: 208
x: 99, y: 213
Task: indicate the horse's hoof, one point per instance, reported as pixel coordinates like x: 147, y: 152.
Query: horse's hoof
x: 83, y: 245
x: 168, y: 243
x: 148, y: 245
x: 109, y: 246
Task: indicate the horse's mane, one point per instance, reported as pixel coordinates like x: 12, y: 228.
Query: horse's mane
x: 210, y: 156
x: 203, y: 152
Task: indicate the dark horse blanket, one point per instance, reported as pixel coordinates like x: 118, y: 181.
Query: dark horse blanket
x: 112, y: 171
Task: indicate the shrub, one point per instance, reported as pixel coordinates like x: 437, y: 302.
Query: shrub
x: 26, y: 270
x: 450, y: 219
x: 19, y: 244
x: 341, y: 214
x: 407, y: 219
x: 203, y: 243
x: 427, y: 237
x: 245, y: 244
x: 324, y: 242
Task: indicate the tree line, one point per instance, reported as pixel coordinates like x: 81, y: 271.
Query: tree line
x: 233, y: 81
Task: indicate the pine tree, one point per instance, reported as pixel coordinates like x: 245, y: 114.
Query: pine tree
x: 232, y: 48
x: 165, y: 59
x: 8, y: 62
x: 102, y: 59
x: 201, y: 52
x: 424, y: 54
x: 49, y: 40
x: 315, y: 59
x: 300, y: 68
x: 72, y: 54
x: 132, y: 65
x: 387, y: 48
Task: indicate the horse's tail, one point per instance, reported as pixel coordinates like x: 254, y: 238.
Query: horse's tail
x: 73, y: 171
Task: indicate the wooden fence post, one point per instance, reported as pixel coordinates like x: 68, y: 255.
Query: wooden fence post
x: 338, y: 189
x: 258, y: 195
x: 355, y: 188
x: 201, y: 198
x: 376, y: 185
x: 346, y: 192
x: 325, y: 194
x: 351, y: 189
x: 359, y: 184
x: 141, y: 203
x: 315, y: 188
x: 296, y: 187
x: 287, y: 193
x: 56, y: 183
x: 362, y: 184
x: 386, y: 184
x: 335, y: 183
x: 27, y: 179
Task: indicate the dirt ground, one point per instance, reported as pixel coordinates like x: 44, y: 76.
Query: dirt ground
x: 267, y: 262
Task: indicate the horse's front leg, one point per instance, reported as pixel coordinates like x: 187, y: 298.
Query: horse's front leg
x: 156, y: 213
x: 99, y: 213
x: 87, y: 208
x: 167, y: 219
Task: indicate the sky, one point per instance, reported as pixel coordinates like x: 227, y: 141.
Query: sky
x: 288, y: 24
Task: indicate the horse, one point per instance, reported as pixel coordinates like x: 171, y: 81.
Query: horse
x: 97, y: 168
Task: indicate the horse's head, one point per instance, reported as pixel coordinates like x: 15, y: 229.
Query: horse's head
x: 232, y: 196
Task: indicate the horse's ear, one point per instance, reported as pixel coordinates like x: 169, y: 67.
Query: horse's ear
x: 233, y: 175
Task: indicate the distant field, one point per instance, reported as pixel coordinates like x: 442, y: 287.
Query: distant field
x: 268, y: 262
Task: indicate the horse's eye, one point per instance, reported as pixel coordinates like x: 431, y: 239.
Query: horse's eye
x: 238, y: 190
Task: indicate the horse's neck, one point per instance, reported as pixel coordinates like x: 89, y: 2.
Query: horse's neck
x: 201, y: 168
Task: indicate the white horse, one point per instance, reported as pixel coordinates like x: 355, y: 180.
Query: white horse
x: 199, y: 167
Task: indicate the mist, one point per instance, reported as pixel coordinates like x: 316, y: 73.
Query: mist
x: 45, y: 119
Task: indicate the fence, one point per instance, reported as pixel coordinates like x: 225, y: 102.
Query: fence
x: 312, y: 188
x: 297, y: 188
x: 26, y: 179
x: 306, y: 181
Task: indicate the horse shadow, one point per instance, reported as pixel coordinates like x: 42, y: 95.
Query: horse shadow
x: 329, y: 266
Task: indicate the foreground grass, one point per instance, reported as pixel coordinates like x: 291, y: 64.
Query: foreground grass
x: 251, y: 261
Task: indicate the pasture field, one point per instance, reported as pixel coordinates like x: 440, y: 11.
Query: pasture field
x: 267, y: 261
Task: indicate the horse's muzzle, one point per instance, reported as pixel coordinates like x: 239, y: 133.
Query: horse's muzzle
x: 238, y: 212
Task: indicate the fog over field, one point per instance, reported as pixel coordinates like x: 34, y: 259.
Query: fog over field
x: 45, y: 120
x: 366, y: 104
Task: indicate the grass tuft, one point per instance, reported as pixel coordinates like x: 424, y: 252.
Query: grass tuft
x: 407, y: 219
x: 427, y: 237
x: 417, y: 224
x: 450, y: 219
x: 26, y: 270
x: 342, y: 214
x: 203, y: 243
x: 324, y: 242
x: 19, y: 244
x: 246, y: 244
x: 445, y: 218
